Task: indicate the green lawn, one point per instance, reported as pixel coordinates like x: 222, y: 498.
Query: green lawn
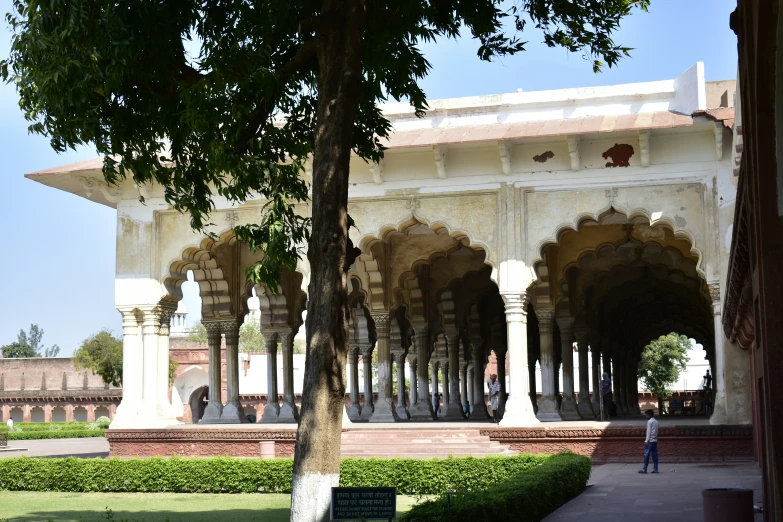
x: 28, y: 506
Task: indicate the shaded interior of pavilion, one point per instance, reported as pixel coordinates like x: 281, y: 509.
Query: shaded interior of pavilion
x: 427, y: 318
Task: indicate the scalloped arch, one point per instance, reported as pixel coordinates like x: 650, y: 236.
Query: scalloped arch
x: 632, y: 215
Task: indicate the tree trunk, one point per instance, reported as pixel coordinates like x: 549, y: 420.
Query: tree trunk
x: 317, y: 454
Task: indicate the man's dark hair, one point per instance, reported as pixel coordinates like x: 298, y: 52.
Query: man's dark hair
x: 650, y: 413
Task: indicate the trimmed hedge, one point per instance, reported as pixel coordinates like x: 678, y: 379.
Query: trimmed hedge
x: 62, y: 434
x: 525, y: 497
x: 232, y: 475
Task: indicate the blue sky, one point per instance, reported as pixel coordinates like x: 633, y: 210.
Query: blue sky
x: 58, y: 249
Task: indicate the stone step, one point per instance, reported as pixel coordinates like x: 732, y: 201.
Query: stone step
x: 422, y: 443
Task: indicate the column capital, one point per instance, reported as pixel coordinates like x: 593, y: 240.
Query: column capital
x: 546, y: 316
x: 566, y: 325
x: 213, y: 332
x: 516, y: 306
x: 165, y: 319
x: 382, y: 325
x: 366, y: 350
x: 714, y: 289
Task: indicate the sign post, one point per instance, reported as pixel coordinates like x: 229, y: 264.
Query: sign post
x: 363, y: 504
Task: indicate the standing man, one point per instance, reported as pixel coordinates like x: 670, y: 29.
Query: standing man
x: 494, y: 395
x: 651, y: 442
x: 435, y: 404
x: 606, y: 395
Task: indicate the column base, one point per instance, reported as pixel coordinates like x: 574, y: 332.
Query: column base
x: 585, y: 410
x: 288, y: 413
x: 384, y: 411
x: 367, y: 411
x: 125, y: 417
x: 354, y: 412
x: 453, y: 412
x: 517, y: 415
x: 568, y: 409
x: 402, y: 413
x: 212, y: 413
x: 547, y: 410
x: 422, y: 410
x: 271, y: 412
x: 346, y: 423
x: 233, y: 414
x: 596, y: 409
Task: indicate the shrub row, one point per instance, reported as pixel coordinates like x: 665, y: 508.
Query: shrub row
x: 232, y: 475
x: 51, y: 426
x: 59, y: 434
x: 525, y: 497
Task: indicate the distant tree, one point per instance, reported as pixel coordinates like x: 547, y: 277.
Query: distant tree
x: 102, y: 355
x: 662, y: 361
x: 251, y: 340
x: 198, y: 334
x: 300, y: 346
x: 16, y: 350
x: 28, y: 344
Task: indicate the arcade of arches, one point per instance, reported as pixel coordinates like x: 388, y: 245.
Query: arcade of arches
x: 519, y: 225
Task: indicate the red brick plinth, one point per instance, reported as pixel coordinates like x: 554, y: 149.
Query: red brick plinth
x: 675, y: 443
x: 198, y: 442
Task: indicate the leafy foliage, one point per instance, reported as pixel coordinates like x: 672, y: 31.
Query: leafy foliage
x: 251, y: 340
x: 237, y: 119
x: 28, y: 344
x: 662, y: 361
x: 524, y: 497
x: 55, y: 434
x: 102, y: 355
x: 232, y: 475
x: 16, y: 350
x: 198, y: 334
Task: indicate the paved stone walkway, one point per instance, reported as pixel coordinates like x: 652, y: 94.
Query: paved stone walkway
x: 617, y: 493
x: 84, y: 448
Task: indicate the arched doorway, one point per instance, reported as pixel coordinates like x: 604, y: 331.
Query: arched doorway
x: 198, y: 403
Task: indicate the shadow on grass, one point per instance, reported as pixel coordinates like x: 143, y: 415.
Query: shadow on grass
x: 90, y: 515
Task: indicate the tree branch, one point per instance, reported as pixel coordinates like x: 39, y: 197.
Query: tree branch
x: 265, y: 108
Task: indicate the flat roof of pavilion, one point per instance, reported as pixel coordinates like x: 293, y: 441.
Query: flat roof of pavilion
x: 665, y: 104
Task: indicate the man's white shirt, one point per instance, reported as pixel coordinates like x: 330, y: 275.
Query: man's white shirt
x: 652, y: 430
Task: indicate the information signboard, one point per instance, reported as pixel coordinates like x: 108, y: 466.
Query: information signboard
x: 364, y: 503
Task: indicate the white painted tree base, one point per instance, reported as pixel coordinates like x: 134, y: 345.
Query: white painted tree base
x: 311, y: 496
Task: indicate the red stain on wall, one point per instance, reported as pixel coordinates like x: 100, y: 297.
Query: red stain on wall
x: 541, y: 158
x: 620, y: 154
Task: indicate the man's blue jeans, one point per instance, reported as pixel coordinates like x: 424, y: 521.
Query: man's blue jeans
x: 652, y: 448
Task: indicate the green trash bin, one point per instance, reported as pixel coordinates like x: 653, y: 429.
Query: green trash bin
x: 727, y: 505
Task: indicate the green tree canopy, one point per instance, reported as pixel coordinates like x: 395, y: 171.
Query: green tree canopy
x: 662, y: 361
x: 17, y: 350
x: 272, y: 82
x: 102, y: 355
x: 28, y: 344
x: 198, y: 334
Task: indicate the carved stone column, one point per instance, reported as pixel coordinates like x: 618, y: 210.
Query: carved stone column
x: 584, y: 407
x: 443, y: 365
x: 422, y: 409
x: 433, y: 382
x: 547, y: 407
x: 164, y: 403
x: 272, y: 408
x: 454, y: 408
x: 132, y: 372
x: 402, y: 411
x: 367, y: 407
x: 288, y: 410
x: 232, y: 411
x: 463, y: 384
x: 720, y: 411
x: 215, y: 404
x: 500, y: 354
x: 479, y: 365
x: 595, y: 351
x: 355, y: 410
x: 413, y: 391
x: 470, y: 387
x: 384, y: 408
x: 151, y: 411
x: 568, y: 408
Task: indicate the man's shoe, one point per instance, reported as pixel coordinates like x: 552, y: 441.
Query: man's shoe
x: 644, y: 471
x: 655, y: 471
